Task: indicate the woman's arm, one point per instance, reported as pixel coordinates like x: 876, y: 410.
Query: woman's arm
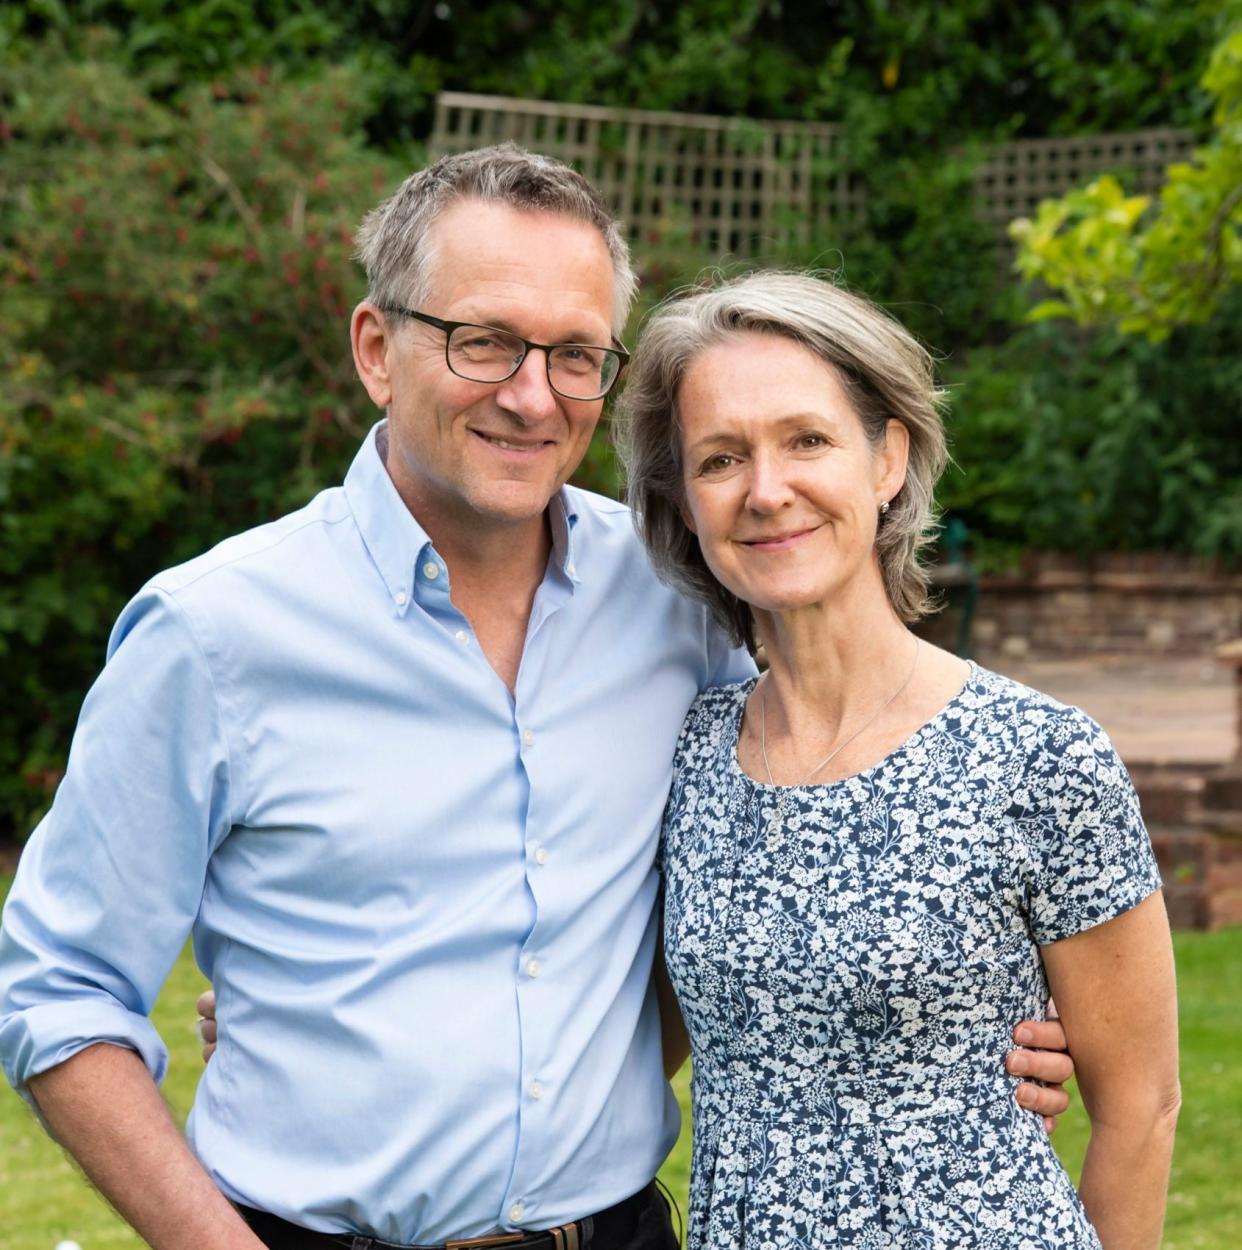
x: 1114, y: 983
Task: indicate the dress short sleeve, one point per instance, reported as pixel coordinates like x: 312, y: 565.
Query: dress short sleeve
x: 1079, y: 814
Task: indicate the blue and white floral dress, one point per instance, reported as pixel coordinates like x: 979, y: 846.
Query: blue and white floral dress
x: 850, y: 976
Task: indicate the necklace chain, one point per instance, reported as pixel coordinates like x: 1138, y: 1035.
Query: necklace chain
x: 832, y: 755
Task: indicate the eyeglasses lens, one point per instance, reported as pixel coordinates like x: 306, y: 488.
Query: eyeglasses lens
x: 481, y: 354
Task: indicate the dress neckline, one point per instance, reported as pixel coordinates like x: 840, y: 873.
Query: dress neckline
x: 972, y: 677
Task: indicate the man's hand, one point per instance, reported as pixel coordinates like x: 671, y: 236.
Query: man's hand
x: 1042, y: 1057
x: 206, y: 1007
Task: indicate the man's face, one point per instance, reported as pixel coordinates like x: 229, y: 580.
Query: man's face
x: 472, y: 458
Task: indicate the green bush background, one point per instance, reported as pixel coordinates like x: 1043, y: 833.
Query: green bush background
x: 179, y: 186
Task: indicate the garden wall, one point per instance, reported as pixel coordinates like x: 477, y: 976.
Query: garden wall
x: 1057, y: 605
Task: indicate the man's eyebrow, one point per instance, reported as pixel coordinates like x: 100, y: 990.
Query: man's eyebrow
x: 586, y: 337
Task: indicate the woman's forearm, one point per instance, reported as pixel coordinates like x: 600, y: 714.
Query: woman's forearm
x: 1114, y: 983
x: 1125, y: 1178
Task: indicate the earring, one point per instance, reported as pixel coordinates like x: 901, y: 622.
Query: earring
x: 884, y: 507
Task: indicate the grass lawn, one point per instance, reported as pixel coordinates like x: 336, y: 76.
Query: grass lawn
x: 43, y: 1200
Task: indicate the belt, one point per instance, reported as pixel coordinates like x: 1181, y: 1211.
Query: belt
x: 606, y: 1230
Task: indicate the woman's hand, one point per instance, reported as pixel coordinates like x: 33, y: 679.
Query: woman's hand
x: 206, y: 1007
x: 1042, y: 1056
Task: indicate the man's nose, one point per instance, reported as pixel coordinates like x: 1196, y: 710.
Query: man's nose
x: 528, y: 394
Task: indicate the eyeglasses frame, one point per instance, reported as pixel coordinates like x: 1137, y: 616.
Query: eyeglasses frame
x: 528, y: 346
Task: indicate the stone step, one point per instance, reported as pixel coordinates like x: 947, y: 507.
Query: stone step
x: 1169, y: 797
x: 1222, y: 791
x: 1224, y: 824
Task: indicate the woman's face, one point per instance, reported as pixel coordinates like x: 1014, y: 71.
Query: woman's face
x: 782, y: 486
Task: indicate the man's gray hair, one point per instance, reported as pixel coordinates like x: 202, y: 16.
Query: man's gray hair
x: 886, y: 373
x: 398, y: 252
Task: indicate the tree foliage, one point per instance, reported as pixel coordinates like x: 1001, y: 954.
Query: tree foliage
x: 176, y: 279
x: 1147, y: 265
x: 899, y: 74
x: 1099, y: 442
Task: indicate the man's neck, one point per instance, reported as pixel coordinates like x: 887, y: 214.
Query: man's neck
x: 495, y: 592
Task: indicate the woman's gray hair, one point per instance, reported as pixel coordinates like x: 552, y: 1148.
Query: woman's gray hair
x: 886, y: 373
x: 398, y: 253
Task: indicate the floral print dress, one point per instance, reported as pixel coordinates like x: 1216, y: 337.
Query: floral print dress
x: 850, y: 973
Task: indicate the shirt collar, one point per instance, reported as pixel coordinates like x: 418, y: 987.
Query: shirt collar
x: 394, y: 539
x: 563, y: 520
x: 392, y: 535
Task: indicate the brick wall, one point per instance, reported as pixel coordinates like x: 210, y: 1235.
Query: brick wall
x: 1058, y: 605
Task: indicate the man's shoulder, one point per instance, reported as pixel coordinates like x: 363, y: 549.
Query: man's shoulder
x: 601, y: 510
x: 604, y: 532
x: 282, y: 547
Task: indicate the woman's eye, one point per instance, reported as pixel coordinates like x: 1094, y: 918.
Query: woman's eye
x: 723, y: 460
x: 811, y: 440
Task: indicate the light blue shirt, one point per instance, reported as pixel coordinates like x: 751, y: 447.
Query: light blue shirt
x: 426, y: 904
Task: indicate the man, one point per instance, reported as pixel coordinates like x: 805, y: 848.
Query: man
x: 398, y: 762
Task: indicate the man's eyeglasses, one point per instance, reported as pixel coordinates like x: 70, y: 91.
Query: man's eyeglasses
x: 485, y: 354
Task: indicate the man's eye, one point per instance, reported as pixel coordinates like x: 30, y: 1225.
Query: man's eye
x: 576, y: 359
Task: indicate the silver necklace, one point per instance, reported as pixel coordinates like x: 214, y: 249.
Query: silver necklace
x: 774, y: 828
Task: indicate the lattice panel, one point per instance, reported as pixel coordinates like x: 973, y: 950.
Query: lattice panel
x: 738, y: 186
x: 1017, y: 175
x: 748, y: 187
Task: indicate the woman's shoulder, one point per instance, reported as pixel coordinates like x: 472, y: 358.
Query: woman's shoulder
x: 992, y: 702
x: 715, y: 711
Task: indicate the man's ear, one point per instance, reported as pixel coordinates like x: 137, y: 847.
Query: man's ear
x: 371, y: 340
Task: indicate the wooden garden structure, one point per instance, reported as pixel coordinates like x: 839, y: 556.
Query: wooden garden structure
x: 744, y: 187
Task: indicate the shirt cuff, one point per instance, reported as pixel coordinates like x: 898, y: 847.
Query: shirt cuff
x: 44, y: 1036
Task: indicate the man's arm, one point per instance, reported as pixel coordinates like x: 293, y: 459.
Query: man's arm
x: 1048, y: 1061
x: 104, y: 1108
x: 674, y: 1040
x: 105, y: 894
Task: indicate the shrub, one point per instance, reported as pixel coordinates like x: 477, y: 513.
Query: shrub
x: 1087, y: 442
x: 174, y: 361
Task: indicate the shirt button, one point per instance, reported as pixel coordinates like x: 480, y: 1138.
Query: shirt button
x: 569, y: 568
x: 528, y: 738
x: 536, y: 1090
x: 516, y: 1211
x: 401, y: 598
x: 462, y: 637
x: 541, y: 855
x: 431, y: 570
x: 532, y: 968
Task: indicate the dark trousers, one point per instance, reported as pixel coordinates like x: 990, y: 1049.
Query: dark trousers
x: 650, y: 1229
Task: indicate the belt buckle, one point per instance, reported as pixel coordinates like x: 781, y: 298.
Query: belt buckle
x: 480, y: 1243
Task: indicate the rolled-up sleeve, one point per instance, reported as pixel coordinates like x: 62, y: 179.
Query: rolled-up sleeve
x: 110, y: 882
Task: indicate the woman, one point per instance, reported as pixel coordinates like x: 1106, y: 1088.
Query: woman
x: 877, y: 856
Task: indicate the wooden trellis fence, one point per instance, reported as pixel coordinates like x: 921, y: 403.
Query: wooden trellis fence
x: 1015, y: 176
x: 746, y: 187
x: 734, y: 185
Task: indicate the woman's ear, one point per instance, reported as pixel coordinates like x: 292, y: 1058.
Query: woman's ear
x: 892, y: 458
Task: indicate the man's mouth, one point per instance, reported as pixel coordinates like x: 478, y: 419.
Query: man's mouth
x: 506, y: 444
